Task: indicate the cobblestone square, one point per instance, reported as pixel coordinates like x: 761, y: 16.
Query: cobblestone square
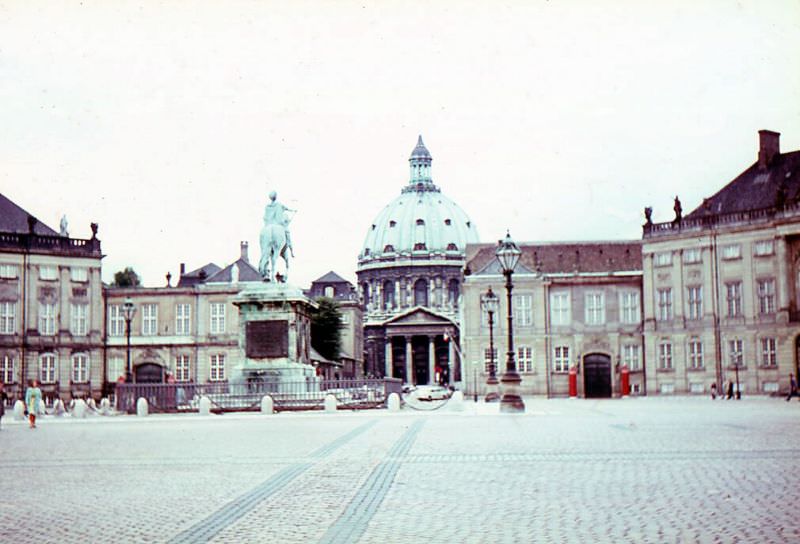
x: 631, y: 470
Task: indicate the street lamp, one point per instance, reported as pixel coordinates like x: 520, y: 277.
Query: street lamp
x: 738, y: 391
x: 489, y: 304
x: 508, y: 254
x: 128, y: 311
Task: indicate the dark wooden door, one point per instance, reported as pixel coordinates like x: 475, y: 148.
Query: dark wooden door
x: 149, y: 373
x: 597, y: 376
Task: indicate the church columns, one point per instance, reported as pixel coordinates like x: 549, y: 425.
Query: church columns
x: 450, y: 359
x: 389, y: 362
x: 409, y: 361
x: 431, y: 360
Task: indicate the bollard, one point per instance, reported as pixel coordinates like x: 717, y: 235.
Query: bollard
x: 205, y: 406
x: 19, y: 410
x: 58, y: 408
x: 81, y: 408
x: 456, y: 402
x: 105, y: 406
x: 267, y: 405
x: 331, y: 404
x: 142, y: 408
x: 393, y: 402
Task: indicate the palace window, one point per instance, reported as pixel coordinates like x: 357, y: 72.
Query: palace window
x: 79, y: 274
x: 766, y: 296
x: 116, y: 368
x: 80, y: 368
x: 48, y: 272
x: 217, y: 317
x: 695, y: 301
x: 662, y: 259
x: 736, y: 352
x: 329, y: 291
x: 630, y: 356
x: 116, y: 321
x: 665, y: 304
x: 525, y: 359
x: 7, y: 369
x: 217, y: 368
x: 9, y: 271
x: 733, y: 251
x: 149, y: 319
x: 595, y: 309
x: 47, y: 319
x: 768, y: 352
x: 182, y: 368
x: 8, y: 315
x: 523, y: 312
x: 665, y: 356
x: 79, y: 319
x: 629, y: 307
x: 183, y: 319
x: 733, y: 292
x: 696, y: 354
x: 47, y: 368
x: 692, y: 255
x: 764, y: 247
x: 561, y: 359
x: 560, y: 309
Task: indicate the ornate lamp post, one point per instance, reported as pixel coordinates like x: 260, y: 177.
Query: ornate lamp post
x: 508, y: 254
x: 128, y: 311
x: 738, y: 391
x: 489, y: 304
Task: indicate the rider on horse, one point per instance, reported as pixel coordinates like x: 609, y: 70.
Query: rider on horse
x: 275, y: 240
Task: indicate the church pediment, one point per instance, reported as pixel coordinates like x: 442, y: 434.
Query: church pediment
x: 418, y: 316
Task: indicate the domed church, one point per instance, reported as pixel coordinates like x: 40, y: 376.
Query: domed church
x: 409, y: 274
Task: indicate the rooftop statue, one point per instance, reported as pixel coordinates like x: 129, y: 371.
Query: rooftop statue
x: 275, y: 239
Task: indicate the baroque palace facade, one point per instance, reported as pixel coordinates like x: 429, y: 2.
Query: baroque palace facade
x: 709, y: 298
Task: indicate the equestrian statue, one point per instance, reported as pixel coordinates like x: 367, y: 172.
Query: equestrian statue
x: 275, y: 240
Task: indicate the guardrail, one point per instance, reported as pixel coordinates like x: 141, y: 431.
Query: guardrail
x: 286, y: 395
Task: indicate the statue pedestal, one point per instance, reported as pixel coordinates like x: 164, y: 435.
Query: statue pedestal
x: 275, y: 332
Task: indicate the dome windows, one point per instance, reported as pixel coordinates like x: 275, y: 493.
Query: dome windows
x: 452, y: 247
x: 448, y: 222
x: 421, y: 293
x: 420, y: 222
x: 392, y: 224
x: 420, y: 246
x: 388, y: 248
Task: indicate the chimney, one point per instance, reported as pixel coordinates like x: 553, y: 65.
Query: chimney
x: 769, y: 147
x: 243, y: 246
x: 183, y: 269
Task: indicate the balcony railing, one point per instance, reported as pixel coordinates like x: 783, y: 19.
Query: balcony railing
x: 720, y: 220
x: 50, y: 243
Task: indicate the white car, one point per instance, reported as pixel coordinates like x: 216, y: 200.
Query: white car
x: 431, y: 392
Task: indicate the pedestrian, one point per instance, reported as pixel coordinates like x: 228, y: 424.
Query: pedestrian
x: 3, y: 399
x: 730, y: 390
x: 33, y: 402
x: 792, y: 388
x: 713, y: 391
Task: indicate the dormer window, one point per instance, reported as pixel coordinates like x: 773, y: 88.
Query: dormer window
x: 392, y: 224
x: 389, y: 248
x: 452, y: 247
x: 447, y: 222
x: 420, y: 246
x: 420, y: 222
x: 366, y: 252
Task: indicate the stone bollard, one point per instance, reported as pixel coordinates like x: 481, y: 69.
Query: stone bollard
x: 105, y: 406
x: 267, y: 405
x: 331, y: 403
x: 456, y: 402
x: 142, y: 408
x: 393, y: 402
x: 92, y: 405
x: 205, y: 406
x: 58, y: 408
x: 19, y: 410
x: 81, y: 408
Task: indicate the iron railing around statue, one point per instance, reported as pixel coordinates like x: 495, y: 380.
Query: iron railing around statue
x: 286, y: 395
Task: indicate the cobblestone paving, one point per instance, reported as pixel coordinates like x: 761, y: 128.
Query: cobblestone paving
x: 635, y: 470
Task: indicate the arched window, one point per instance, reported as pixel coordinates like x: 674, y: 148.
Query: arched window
x: 365, y: 292
x: 421, y: 293
x: 388, y: 295
x: 388, y: 248
x: 453, y: 291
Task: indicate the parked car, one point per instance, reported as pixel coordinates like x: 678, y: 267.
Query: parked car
x: 431, y: 392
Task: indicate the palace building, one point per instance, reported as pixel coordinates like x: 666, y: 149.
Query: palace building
x: 409, y: 275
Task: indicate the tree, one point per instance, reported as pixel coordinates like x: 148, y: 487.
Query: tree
x: 326, y: 326
x: 126, y: 278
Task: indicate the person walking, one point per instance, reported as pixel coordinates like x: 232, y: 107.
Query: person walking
x: 713, y: 391
x: 3, y: 399
x: 792, y: 388
x: 33, y: 401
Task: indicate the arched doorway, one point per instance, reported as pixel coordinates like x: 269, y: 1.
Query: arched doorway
x: 597, y: 376
x: 149, y: 373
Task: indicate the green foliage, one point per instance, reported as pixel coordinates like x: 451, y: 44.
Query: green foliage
x: 126, y: 278
x: 326, y: 325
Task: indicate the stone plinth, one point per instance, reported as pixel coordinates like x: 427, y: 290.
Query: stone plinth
x: 275, y: 334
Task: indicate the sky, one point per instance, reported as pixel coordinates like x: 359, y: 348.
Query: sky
x: 168, y: 123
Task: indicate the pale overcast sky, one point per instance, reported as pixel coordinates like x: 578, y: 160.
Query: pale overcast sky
x: 169, y: 122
